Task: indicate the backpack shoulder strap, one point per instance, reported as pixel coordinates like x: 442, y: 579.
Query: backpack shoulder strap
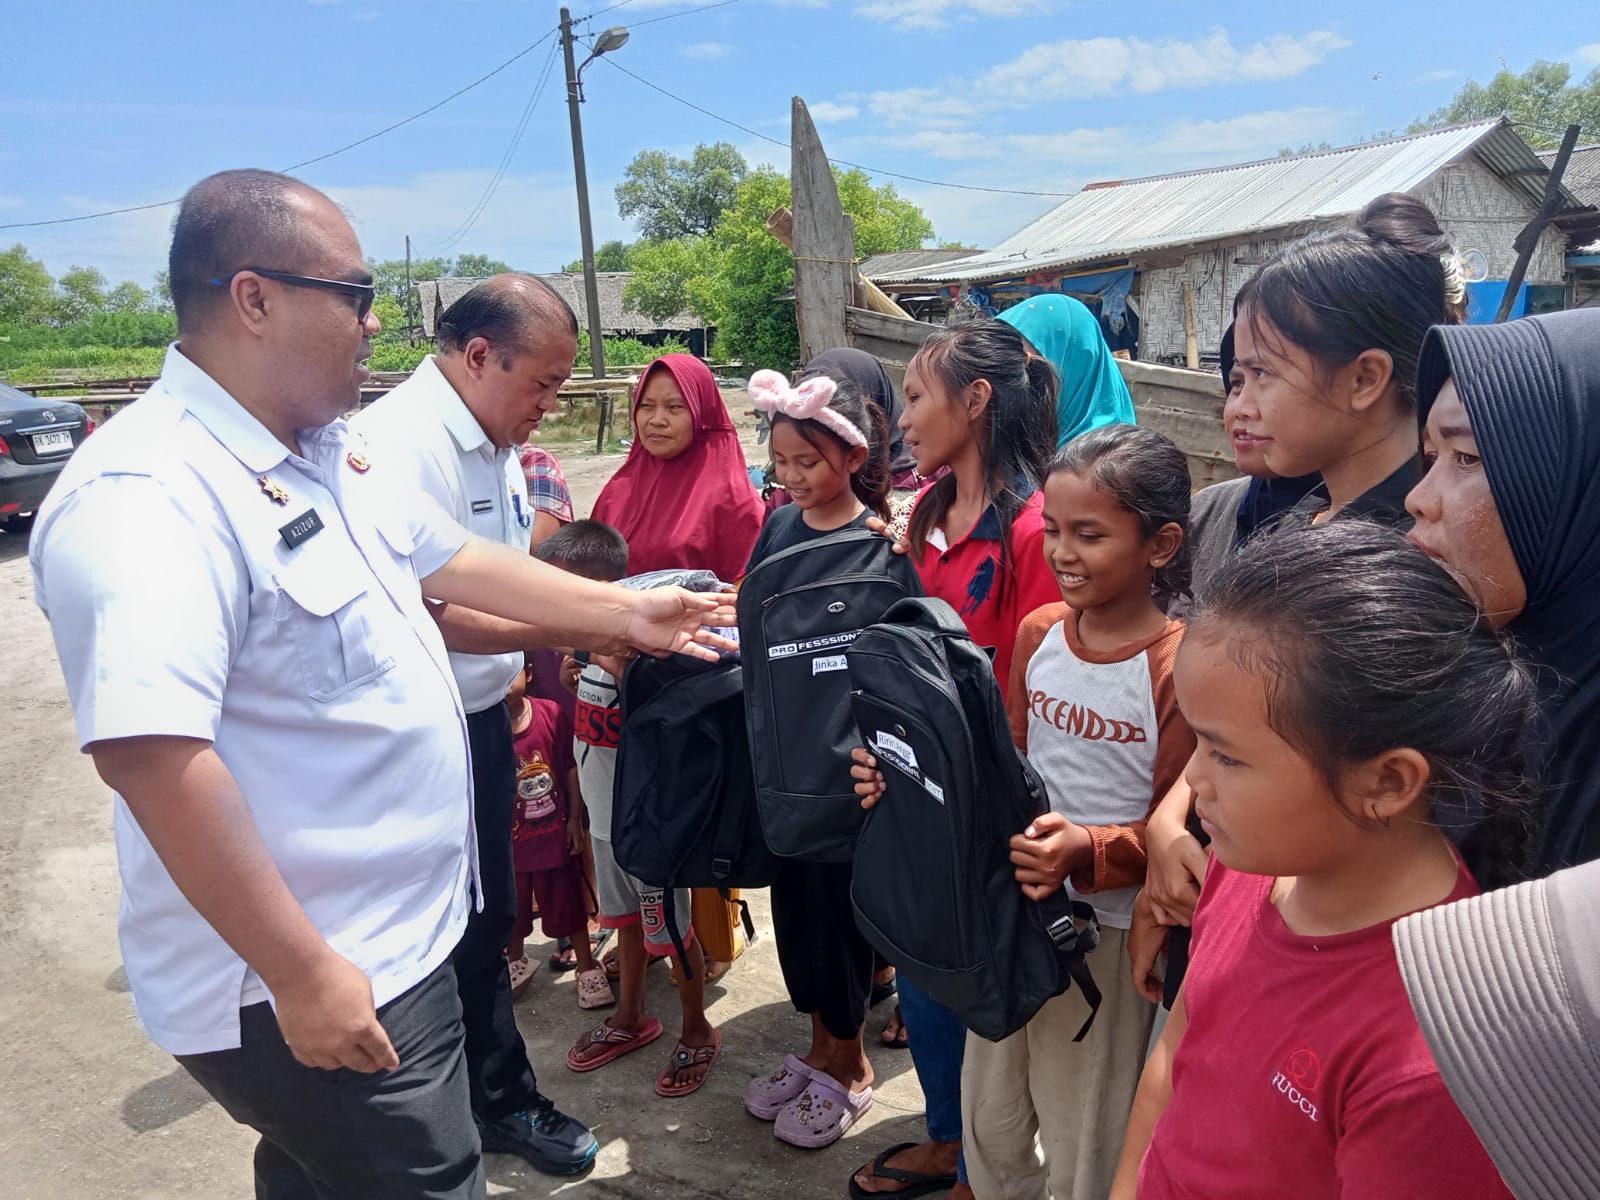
x: 1075, y: 931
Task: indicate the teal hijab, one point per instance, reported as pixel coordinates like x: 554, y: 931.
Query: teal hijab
x: 1093, y: 392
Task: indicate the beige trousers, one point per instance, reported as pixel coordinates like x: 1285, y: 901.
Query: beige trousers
x: 1038, y: 1090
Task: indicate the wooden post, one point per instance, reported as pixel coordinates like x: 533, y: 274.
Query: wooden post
x: 824, y: 251
x: 1191, y: 341
x: 1528, y: 240
x: 781, y: 226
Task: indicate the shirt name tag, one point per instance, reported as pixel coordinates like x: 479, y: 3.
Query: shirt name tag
x: 482, y: 506
x: 306, y: 525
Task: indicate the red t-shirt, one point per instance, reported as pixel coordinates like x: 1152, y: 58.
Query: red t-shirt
x: 966, y: 576
x: 544, y: 763
x: 1303, y: 1071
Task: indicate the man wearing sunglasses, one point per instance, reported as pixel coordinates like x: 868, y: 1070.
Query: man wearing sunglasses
x: 234, y: 582
x: 453, y: 428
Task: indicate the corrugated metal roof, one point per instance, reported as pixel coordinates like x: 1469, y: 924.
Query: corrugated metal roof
x: 1582, y: 176
x: 1122, y: 219
x: 899, y: 261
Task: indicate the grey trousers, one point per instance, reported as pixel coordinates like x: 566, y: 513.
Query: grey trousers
x: 405, y: 1134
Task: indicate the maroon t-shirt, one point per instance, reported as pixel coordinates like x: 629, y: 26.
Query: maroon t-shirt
x: 1303, y: 1071
x: 544, y: 761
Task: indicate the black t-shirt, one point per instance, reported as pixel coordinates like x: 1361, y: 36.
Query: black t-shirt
x: 786, y: 527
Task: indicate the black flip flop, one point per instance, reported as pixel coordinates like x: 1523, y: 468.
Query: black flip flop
x: 903, y: 1041
x: 881, y: 992
x: 916, y: 1184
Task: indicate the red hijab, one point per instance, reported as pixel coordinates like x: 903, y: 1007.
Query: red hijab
x: 698, y: 510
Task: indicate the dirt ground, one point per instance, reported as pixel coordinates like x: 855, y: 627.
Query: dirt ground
x: 92, y: 1109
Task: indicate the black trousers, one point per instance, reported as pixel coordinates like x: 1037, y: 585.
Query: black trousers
x: 405, y: 1134
x: 827, y: 964
x: 499, y: 1074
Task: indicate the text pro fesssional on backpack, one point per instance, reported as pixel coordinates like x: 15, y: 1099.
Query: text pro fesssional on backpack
x: 934, y: 888
x: 799, y: 611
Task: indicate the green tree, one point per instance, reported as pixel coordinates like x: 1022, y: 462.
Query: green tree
x: 127, y: 297
x: 477, y: 266
x: 391, y: 315
x: 746, y: 269
x: 26, y: 288
x: 669, y: 197
x: 161, y: 293
x: 614, y: 255
x: 1542, y: 101
x: 662, y: 271
x: 80, y: 293
x: 390, y: 275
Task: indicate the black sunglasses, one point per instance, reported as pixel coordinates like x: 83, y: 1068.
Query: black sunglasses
x: 362, y: 293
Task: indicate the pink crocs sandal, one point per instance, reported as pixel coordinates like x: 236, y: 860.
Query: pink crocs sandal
x: 820, y: 1115
x: 768, y: 1096
x: 594, y: 989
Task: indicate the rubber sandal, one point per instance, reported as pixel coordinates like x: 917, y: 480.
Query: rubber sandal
x: 881, y: 992
x: 684, y: 1057
x: 768, y: 1096
x: 916, y: 1183
x: 617, y: 1042
x: 560, y: 963
x: 822, y: 1114
x: 522, y: 971
x: 594, y: 990
x: 902, y: 1040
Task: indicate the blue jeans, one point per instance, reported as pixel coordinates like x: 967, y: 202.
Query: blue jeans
x: 938, y: 1044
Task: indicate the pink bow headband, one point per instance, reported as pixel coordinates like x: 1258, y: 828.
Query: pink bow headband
x: 807, y: 401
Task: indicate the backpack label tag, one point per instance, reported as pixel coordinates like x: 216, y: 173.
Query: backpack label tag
x: 832, y: 662
x: 898, y: 752
x: 831, y: 641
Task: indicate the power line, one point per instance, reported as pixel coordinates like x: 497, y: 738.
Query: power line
x: 113, y: 212
x: 687, y: 12
x: 505, y: 159
x: 843, y: 162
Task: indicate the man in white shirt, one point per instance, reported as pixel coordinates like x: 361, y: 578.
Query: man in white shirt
x: 452, y: 431
x: 233, y: 587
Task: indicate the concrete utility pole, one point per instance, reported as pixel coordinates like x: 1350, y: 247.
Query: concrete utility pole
x: 410, y: 340
x: 609, y: 39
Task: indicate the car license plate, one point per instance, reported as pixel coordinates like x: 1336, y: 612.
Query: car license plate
x: 52, y: 443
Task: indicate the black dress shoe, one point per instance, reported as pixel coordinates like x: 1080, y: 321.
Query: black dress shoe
x: 548, y: 1139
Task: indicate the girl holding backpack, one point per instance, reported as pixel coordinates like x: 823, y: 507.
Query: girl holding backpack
x: 979, y: 401
x: 830, y: 453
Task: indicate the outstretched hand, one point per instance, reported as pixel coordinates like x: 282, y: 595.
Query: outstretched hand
x: 1046, y: 851
x: 673, y: 620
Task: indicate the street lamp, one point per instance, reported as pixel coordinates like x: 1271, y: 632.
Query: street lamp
x: 610, y: 39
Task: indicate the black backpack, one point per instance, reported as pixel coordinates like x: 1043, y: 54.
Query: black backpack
x: 934, y: 888
x: 799, y: 611
x: 683, y: 805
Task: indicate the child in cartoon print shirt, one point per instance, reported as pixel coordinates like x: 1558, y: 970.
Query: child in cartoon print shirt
x: 547, y: 840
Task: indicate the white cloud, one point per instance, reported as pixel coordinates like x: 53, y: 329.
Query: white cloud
x: 1074, y: 70
x: 707, y: 51
x: 1251, y: 135
x: 936, y: 14
x: 1106, y: 66
x: 1587, y: 56
x: 929, y: 107
x: 1076, y: 145
x: 952, y: 144
x: 827, y: 110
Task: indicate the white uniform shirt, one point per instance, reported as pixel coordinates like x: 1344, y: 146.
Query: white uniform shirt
x: 426, y: 431
x: 180, y: 608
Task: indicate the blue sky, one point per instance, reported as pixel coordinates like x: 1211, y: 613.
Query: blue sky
x: 110, y: 104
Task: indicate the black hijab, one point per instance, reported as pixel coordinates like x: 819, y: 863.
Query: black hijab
x: 867, y: 373
x: 1531, y: 389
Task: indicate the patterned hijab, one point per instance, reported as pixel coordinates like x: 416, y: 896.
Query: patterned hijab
x: 1093, y: 392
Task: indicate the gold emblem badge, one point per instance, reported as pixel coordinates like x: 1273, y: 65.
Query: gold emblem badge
x: 273, y: 490
x: 358, y: 462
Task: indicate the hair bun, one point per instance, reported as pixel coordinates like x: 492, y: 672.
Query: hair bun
x: 1406, y: 223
